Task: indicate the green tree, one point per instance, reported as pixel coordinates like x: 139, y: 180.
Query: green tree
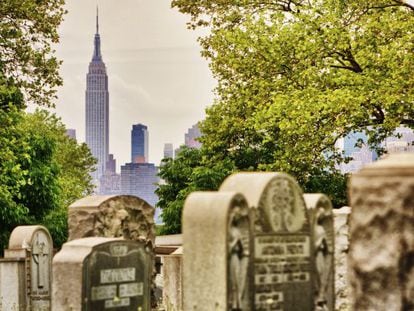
x: 27, y: 31
x: 189, y: 171
x: 42, y: 170
x: 295, y: 76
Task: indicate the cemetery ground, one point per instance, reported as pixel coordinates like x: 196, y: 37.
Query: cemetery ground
x: 258, y: 243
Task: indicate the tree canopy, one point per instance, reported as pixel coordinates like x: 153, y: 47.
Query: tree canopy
x: 42, y: 170
x: 28, y: 30
x: 295, y: 76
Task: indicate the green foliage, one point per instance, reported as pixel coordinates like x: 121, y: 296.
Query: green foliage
x: 42, y: 170
x: 27, y: 31
x: 189, y: 171
x: 295, y: 76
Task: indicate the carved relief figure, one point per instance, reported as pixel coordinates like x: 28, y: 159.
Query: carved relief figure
x: 238, y: 248
x: 323, y: 259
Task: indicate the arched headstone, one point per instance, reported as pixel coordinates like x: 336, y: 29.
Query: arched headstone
x: 30, y: 247
x: 216, y: 259
x: 322, y: 223
x: 282, y: 240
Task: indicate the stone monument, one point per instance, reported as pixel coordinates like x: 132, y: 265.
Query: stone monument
x: 216, y: 259
x: 112, y: 216
x: 102, y: 273
x: 282, y: 241
x: 26, y: 270
x: 381, y: 250
x: 341, y: 224
x: 322, y: 223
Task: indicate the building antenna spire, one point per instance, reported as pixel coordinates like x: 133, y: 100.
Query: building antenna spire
x: 97, y: 19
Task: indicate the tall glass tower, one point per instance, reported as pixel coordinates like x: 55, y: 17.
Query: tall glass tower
x: 139, y: 143
x: 97, y: 107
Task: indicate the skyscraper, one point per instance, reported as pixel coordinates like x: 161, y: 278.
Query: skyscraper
x: 97, y: 107
x: 139, y: 143
x: 190, y: 138
x: 168, y: 150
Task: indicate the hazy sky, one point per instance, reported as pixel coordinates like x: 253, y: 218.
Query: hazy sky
x: 156, y: 74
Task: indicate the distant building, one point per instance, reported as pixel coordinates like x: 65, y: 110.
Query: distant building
x: 168, y: 151
x: 402, y: 141
x: 71, y: 133
x: 355, y: 146
x: 140, y: 179
x: 139, y: 143
x: 97, y: 108
x: 190, y: 138
x: 111, y: 164
x: 110, y: 183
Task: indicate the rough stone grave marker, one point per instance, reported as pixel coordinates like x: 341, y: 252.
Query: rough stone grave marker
x: 216, y: 258
x: 30, y: 250
x: 102, y: 274
x: 282, y: 241
x: 381, y: 250
x: 322, y: 223
x: 112, y: 216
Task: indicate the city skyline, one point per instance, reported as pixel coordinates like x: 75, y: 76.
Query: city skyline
x: 157, y: 76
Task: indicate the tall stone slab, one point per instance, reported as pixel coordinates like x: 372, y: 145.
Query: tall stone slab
x: 282, y: 241
x: 322, y: 224
x: 102, y: 274
x: 216, y: 259
x: 341, y: 223
x: 381, y: 251
x: 26, y: 270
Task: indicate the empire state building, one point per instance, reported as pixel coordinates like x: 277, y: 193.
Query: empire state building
x: 97, y: 108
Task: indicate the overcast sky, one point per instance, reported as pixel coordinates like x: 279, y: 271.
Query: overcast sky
x: 156, y: 74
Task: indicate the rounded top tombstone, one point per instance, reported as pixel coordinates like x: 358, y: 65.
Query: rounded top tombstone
x: 124, y: 216
x: 24, y: 237
x: 276, y: 198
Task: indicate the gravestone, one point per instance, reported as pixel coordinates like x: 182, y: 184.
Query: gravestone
x: 102, y: 273
x: 172, y: 271
x: 216, y: 252
x: 112, y: 216
x: 322, y: 223
x: 341, y: 223
x: 282, y: 241
x: 26, y: 269
x: 381, y: 250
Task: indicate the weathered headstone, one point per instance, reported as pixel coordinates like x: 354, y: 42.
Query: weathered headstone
x: 172, y: 294
x: 30, y: 251
x: 283, y: 249
x: 321, y: 219
x: 216, y: 259
x: 381, y: 251
x: 102, y: 273
x: 112, y: 216
x: 341, y: 223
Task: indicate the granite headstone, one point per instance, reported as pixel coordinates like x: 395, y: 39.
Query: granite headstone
x: 282, y: 241
x: 102, y: 273
x: 216, y: 252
